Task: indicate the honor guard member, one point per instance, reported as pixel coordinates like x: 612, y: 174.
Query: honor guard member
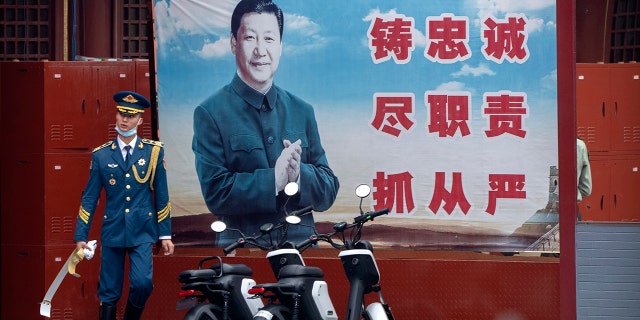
x: 137, y: 214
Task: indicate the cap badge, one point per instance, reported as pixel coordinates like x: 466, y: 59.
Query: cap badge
x: 129, y: 99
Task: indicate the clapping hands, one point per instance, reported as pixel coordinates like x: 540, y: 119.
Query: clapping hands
x: 287, y: 167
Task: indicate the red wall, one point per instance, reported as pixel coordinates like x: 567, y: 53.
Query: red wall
x: 416, y: 284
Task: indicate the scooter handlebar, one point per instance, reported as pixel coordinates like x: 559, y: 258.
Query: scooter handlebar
x: 234, y: 245
x: 306, y: 243
x: 254, y: 240
x: 302, y: 211
x: 369, y: 216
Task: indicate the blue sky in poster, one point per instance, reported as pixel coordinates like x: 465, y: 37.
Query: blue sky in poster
x: 326, y: 61
x: 325, y: 49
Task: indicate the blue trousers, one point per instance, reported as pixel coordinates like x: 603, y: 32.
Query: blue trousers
x: 112, y: 274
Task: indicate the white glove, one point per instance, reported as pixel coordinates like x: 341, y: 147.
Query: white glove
x: 88, y: 253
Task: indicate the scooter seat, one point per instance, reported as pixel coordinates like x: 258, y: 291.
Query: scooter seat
x: 234, y: 268
x: 300, y: 271
x: 189, y: 276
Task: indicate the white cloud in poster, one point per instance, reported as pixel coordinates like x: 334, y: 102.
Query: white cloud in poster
x: 452, y: 86
x: 302, y: 34
x: 177, y: 19
x: 550, y: 81
x: 534, y: 25
x: 376, y: 13
x: 300, y: 24
x: 214, y: 49
x: 498, y: 7
x: 467, y: 70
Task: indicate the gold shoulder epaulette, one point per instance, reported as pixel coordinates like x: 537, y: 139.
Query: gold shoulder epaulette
x: 153, y: 142
x: 102, y: 146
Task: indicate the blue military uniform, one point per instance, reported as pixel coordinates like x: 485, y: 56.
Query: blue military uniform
x: 130, y: 217
x: 137, y: 213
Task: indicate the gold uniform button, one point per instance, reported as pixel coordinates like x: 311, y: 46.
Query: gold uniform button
x: 128, y: 198
x: 127, y: 175
x: 105, y: 216
x: 150, y: 214
x: 126, y: 210
x: 128, y: 187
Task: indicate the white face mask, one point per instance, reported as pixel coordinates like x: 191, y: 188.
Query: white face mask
x: 127, y: 134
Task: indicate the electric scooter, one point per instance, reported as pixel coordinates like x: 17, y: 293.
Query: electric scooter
x: 358, y: 262
x: 300, y: 290
x: 220, y: 291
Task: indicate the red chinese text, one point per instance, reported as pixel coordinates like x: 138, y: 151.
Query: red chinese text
x: 393, y: 190
x: 452, y: 198
x: 505, y: 111
x: 448, y: 113
x: 391, y: 39
x: 391, y: 111
x: 505, y: 186
x: 505, y: 39
x: 447, y: 38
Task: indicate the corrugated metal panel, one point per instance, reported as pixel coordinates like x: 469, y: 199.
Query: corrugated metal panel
x: 608, y: 270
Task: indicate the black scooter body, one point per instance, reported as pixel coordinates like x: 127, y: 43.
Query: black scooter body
x: 218, y: 283
x: 362, y: 271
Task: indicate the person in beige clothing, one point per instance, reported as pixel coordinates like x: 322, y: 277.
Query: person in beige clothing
x: 583, y: 173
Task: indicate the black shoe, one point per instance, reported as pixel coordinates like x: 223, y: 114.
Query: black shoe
x: 107, y: 312
x: 132, y: 312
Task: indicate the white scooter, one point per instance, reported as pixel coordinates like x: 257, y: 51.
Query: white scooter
x: 219, y: 291
x: 300, y: 291
x: 358, y: 262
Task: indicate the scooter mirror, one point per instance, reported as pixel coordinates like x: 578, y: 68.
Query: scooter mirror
x: 293, y: 219
x: 363, y: 190
x: 218, y: 226
x: 291, y: 188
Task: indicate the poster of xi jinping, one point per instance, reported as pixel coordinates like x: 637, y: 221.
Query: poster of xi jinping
x: 447, y: 109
